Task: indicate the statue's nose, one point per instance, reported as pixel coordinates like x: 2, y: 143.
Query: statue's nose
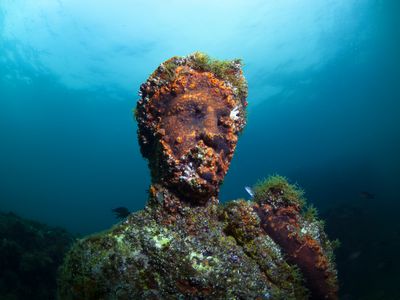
x: 209, y: 120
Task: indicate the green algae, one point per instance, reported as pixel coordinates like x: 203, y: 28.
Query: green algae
x: 226, y: 70
x: 310, y: 213
x: 243, y: 224
x: 277, y: 188
x: 135, y: 259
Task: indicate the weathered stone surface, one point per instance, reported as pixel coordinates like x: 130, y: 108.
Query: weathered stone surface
x: 184, y: 245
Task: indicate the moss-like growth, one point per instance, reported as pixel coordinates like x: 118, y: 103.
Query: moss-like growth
x: 228, y: 70
x: 169, y: 68
x: 134, y: 261
x: 221, y: 68
x: 310, y: 213
x: 276, y: 188
x: 241, y: 222
x: 335, y: 244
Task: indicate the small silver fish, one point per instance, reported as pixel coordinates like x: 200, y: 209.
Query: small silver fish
x: 249, y: 190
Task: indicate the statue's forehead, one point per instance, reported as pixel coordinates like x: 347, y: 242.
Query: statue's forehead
x: 197, y: 99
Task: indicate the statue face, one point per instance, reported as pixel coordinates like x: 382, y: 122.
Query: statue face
x: 195, y: 123
x: 198, y: 141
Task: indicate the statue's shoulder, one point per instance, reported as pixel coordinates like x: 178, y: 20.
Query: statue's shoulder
x: 106, y: 259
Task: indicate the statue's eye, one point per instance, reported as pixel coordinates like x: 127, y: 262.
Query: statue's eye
x: 197, y: 111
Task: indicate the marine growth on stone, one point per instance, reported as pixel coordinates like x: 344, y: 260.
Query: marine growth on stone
x: 184, y: 244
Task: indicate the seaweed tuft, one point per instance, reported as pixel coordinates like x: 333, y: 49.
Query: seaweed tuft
x: 227, y: 70
x: 276, y: 188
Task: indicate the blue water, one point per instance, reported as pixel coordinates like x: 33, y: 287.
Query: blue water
x: 324, y: 100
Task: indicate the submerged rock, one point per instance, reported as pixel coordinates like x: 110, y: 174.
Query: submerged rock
x: 184, y: 245
x: 30, y: 254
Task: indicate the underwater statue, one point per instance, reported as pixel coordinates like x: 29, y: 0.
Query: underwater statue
x: 184, y: 244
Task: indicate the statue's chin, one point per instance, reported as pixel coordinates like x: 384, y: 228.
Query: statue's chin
x: 196, y: 175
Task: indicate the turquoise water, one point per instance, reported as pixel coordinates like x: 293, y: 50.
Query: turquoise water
x: 324, y: 105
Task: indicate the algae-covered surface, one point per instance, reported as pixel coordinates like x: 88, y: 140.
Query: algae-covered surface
x: 184, y: 244
x: 195, y: 257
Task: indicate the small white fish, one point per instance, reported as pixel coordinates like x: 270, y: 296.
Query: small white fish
x: 234, y: 113
x: 249, y: 190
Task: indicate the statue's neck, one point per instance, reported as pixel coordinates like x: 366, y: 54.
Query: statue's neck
x: 167, y: 201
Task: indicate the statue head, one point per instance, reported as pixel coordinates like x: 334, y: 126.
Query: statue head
x: 189, y: 116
